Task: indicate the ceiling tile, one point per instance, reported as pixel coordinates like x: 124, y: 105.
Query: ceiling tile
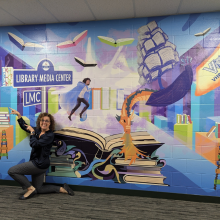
x: 7, y: 19
x: 113, y: 9
x: 195, y: 6
x: 149, y: 8
x: 69, y: 10
x: 28, y: 11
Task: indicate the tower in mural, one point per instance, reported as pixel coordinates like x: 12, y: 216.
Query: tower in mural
x: 4, y: 145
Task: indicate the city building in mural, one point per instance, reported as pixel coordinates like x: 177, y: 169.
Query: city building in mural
x: 151, y: 120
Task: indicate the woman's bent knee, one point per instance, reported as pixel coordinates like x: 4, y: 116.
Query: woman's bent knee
x: 10, y: 171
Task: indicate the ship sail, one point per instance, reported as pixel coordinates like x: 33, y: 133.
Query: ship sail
x: 156, y: 54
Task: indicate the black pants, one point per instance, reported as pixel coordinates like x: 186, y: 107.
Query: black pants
x: 19, y: 171
x: 79, y: 100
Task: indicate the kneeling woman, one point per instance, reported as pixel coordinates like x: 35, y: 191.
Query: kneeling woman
x: 41, y: 140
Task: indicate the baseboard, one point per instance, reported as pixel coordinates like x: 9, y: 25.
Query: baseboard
x: 126, y: 192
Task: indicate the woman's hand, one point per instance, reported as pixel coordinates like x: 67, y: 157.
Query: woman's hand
x: 14, y: 112
x: 29, y: 128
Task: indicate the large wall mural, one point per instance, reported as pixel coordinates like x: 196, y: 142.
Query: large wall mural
x: 148, y: 118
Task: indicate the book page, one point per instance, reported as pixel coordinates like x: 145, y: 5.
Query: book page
x: 82, y: 61
x: 153, y: 61
x: 18, y: 39
x: 138, y: 162
x: 107, y: 39
x: 33, y: 45
x: 152, y: 25
x: 144, y: 29
x: 149, y: 44
x: 78, y: 132
x: 118, y: 141
x: 143, y: 179
x: 158, y: 39
x: 65, y: 43
x: 168, y: 67
x: 168, y: 44
x: 167, y: 55
x: 154, y: 74
x: 176, y: 56
x: 139, y: 60
x: 133, y: 134
x: 157, y: 30
x: 124, y: 40
x: 143, y: 52
x: 135, y: 142
x: 78, y: 36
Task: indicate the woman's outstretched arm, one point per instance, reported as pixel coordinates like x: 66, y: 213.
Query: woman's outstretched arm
x: 21, y: 121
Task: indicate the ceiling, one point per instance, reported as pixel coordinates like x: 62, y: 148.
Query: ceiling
x: 24, y: 12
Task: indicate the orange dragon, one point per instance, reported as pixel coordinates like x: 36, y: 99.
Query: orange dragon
x: 164, y: 97
x: 125, y: 120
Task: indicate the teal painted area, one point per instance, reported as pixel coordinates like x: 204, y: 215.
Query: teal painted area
x: 206, y: 109
x: 160, y: 122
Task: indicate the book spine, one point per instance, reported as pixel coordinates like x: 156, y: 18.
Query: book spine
x: 4, y: 115
x: 4, y: 120
x: 177, y: 119
x: 4, y: 123
x: 189, y: 118
x: 216, y: 130
x: 211, y: 131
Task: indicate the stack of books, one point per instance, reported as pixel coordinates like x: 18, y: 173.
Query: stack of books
x: 4, y: 145
x: 4, y: 117
x: 142, y: 171
x: 183, y: 119
x: 61, y: 165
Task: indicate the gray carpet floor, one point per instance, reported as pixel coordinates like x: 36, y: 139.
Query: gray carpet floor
x: 85, y: 205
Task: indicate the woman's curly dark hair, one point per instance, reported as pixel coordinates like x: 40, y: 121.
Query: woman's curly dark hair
x: 52, y: 121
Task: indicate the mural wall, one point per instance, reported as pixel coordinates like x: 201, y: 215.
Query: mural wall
x: 149, y: 119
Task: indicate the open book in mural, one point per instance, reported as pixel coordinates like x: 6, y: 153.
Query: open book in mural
x: 80, y: 153
x: 24, y: 46
x: 74, y: 42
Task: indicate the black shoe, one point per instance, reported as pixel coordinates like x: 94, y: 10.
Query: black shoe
x: 69, y: 118
x: 68, y: 189
x: 80, y: 115
x: 31, y: 195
